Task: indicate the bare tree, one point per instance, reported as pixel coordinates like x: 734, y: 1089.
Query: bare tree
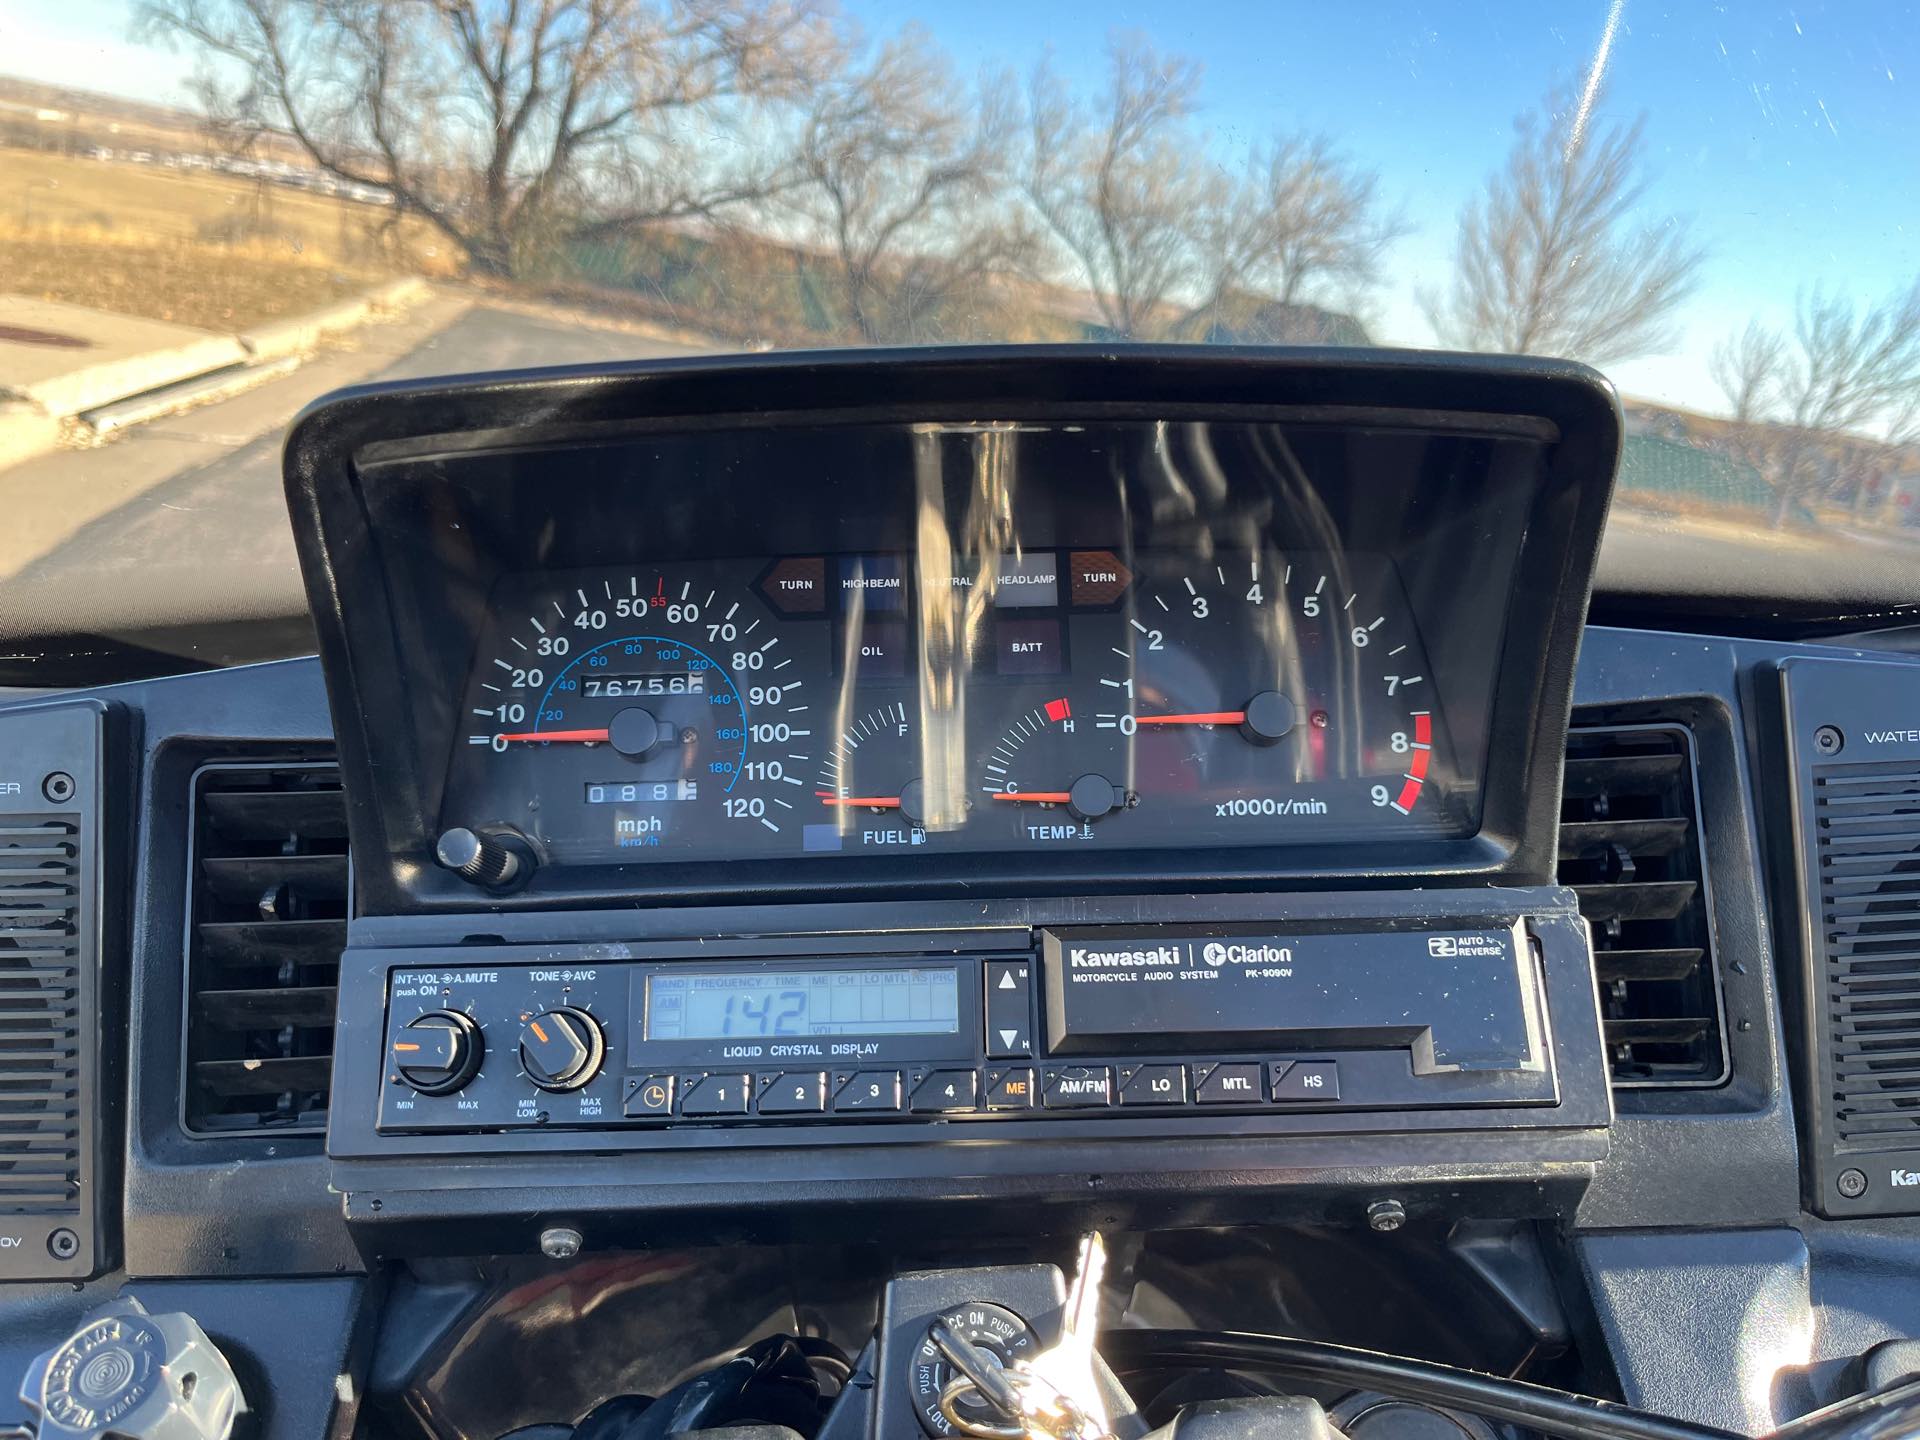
x: 1845, y: 372
x: 1303, y: 218
x: 1746, y: 367
x: 1121, y: 184
x: 904, y: 167
x: 1549, y: 259
x: 502, y: 120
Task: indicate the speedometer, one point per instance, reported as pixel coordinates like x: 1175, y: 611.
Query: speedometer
x: 644, y: 711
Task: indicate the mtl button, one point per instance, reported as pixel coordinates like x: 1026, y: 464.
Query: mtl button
x: 1009, y: 1008
x: 1229, y: 1085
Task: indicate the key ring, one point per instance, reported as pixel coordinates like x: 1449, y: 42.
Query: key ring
x: 1050, y: 1417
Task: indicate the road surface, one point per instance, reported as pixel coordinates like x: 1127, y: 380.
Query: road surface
x: 184, y: 520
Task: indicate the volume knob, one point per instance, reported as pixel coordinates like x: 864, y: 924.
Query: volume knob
x: 562, y: 1048
x: 438, y: 1053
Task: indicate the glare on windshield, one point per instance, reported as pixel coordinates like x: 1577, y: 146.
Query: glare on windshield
x: 212, y: 211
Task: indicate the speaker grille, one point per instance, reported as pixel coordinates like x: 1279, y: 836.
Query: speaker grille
x: 40, y: 1139
x: 1867, y: 843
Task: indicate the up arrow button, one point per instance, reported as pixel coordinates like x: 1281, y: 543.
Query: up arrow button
x: 1009, y: 1009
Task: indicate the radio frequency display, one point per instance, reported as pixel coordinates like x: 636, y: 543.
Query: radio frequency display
x: 720, y: 1006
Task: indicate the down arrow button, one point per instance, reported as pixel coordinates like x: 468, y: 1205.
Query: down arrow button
x: 1009, y: 1009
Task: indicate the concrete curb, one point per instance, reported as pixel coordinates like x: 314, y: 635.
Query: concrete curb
x: 92, y: 386
x: 187, y: 395
x: 307, y: 332
x: 141, y: 387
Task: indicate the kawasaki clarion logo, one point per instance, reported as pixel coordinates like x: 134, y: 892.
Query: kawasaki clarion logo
x: 1906, y: 1177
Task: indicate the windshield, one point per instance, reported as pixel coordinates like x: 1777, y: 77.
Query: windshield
x: 213, y: 211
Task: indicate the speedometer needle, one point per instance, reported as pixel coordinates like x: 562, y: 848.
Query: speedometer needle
x: 872, y: 802
x: 578, y: 737
x: 1205, y: 717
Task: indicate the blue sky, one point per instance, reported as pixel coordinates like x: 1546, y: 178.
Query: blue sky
x: 1788, y: 136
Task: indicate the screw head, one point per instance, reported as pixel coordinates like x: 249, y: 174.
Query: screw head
x: 1386, y: 1216
x: 63, y: 1244
x: 1852, y: 1183
x: 59, y: 787
x: 1828, y: 740
x: 561, y: 1243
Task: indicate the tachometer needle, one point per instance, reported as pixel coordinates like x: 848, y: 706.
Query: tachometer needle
x: 578, y: 737
x: 1036, y: 797
x: 871, y: 802
x: 1205, y: 717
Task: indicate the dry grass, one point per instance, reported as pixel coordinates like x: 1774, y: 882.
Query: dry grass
x: 193, y: 247
x: 186, y: 284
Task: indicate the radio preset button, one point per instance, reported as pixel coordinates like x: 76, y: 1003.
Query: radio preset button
x: 945, y: 1090
x: 870, y: 1091
x: 1306, y: 1080
x: 1229, y: 1084
x: 799, y: 1092
x: 1080, y: 1087
x: 1010, y: 1089
x: 1009, y: 1008
x: 649, y: 1096
x: 1154, y: 1085
x: 714, y: 1095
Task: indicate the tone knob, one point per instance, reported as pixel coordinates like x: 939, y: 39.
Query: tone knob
x: 438, y: 1053
x: 561, y: 1049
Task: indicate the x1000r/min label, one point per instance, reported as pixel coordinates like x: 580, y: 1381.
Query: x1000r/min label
x: 1459, y: 999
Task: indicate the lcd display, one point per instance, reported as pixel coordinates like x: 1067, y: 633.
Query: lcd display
x: 706, y: 1005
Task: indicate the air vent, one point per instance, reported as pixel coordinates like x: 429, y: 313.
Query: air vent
x: 266, y: 923
x: 40, y: 1140
x: 1867, y: 838
x: 1630, y: 848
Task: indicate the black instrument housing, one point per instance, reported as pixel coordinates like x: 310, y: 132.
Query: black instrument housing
x: 354, y: 549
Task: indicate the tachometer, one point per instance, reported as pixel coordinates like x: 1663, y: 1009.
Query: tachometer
x: 642, y: 711
x: 1277, y: 694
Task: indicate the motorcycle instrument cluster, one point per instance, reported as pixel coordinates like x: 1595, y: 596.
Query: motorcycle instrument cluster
x: 1133, y: 763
